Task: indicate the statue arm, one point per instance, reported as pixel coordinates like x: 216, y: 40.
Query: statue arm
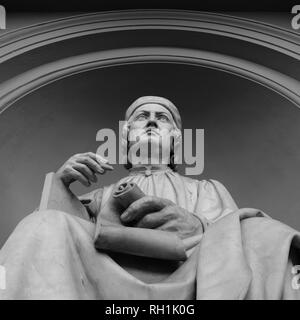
x: 225, y: 196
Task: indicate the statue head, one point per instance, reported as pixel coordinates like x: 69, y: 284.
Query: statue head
x: 152, y: 123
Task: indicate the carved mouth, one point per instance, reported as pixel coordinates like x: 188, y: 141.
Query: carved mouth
x: 151, y: 132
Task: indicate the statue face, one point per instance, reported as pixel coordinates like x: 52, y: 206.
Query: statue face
x: 151, y: 125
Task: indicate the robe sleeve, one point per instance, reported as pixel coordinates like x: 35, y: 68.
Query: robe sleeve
x: 92, y: 202
x: 214, y: 200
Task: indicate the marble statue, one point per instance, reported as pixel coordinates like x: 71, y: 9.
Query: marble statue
x: 176, y: 238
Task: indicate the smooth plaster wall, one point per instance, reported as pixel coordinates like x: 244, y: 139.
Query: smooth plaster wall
x: 251, y: 134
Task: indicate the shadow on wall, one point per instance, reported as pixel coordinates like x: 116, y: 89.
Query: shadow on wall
x: 251, y: 134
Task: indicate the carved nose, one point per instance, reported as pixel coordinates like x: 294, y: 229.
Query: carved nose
x: 152, y: 123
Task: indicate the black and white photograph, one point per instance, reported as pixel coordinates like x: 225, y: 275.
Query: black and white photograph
x: 149, y: 151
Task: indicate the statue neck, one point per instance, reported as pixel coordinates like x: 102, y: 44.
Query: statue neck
x: 149, y: 169
x: 158, y: 160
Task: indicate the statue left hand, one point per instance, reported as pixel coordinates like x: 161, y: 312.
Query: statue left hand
x: 158, y: 213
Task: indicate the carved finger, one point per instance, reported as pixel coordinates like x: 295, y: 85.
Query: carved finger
x: 86, y: 171
x: 138, y: 209
x: 103, y: 162
x: 80, y: 177
x: 152, y: 220
x: 92, y: 164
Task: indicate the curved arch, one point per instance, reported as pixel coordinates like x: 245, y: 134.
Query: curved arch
x: 20, y: 86
x: 25, y: 39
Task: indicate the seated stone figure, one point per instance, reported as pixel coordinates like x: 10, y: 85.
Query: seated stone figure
x: 225, y: 252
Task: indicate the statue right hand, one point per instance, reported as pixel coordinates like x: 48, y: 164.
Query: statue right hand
x: 83, y: 167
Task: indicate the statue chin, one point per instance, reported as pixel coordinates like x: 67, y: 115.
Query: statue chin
x: 149, y: 151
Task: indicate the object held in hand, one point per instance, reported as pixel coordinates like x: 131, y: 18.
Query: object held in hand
x: 112, y: 235
x: 127, y: 193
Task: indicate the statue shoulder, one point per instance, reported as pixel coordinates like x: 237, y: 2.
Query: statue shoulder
x: 206, y: 184
x: 217, y: 190
x: 215, y: 186
x: 213, y: 198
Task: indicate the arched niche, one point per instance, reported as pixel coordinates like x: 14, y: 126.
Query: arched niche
x: 39, y: 57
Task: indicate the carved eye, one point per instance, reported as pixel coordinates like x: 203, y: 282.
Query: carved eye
x: 141, y: 117
x: 163, y: 118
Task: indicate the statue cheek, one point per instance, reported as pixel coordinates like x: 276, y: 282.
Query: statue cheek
x: 134, y: 133
x: 166, y: 139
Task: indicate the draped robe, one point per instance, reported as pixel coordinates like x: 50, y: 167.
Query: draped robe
x: 243, y: 254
